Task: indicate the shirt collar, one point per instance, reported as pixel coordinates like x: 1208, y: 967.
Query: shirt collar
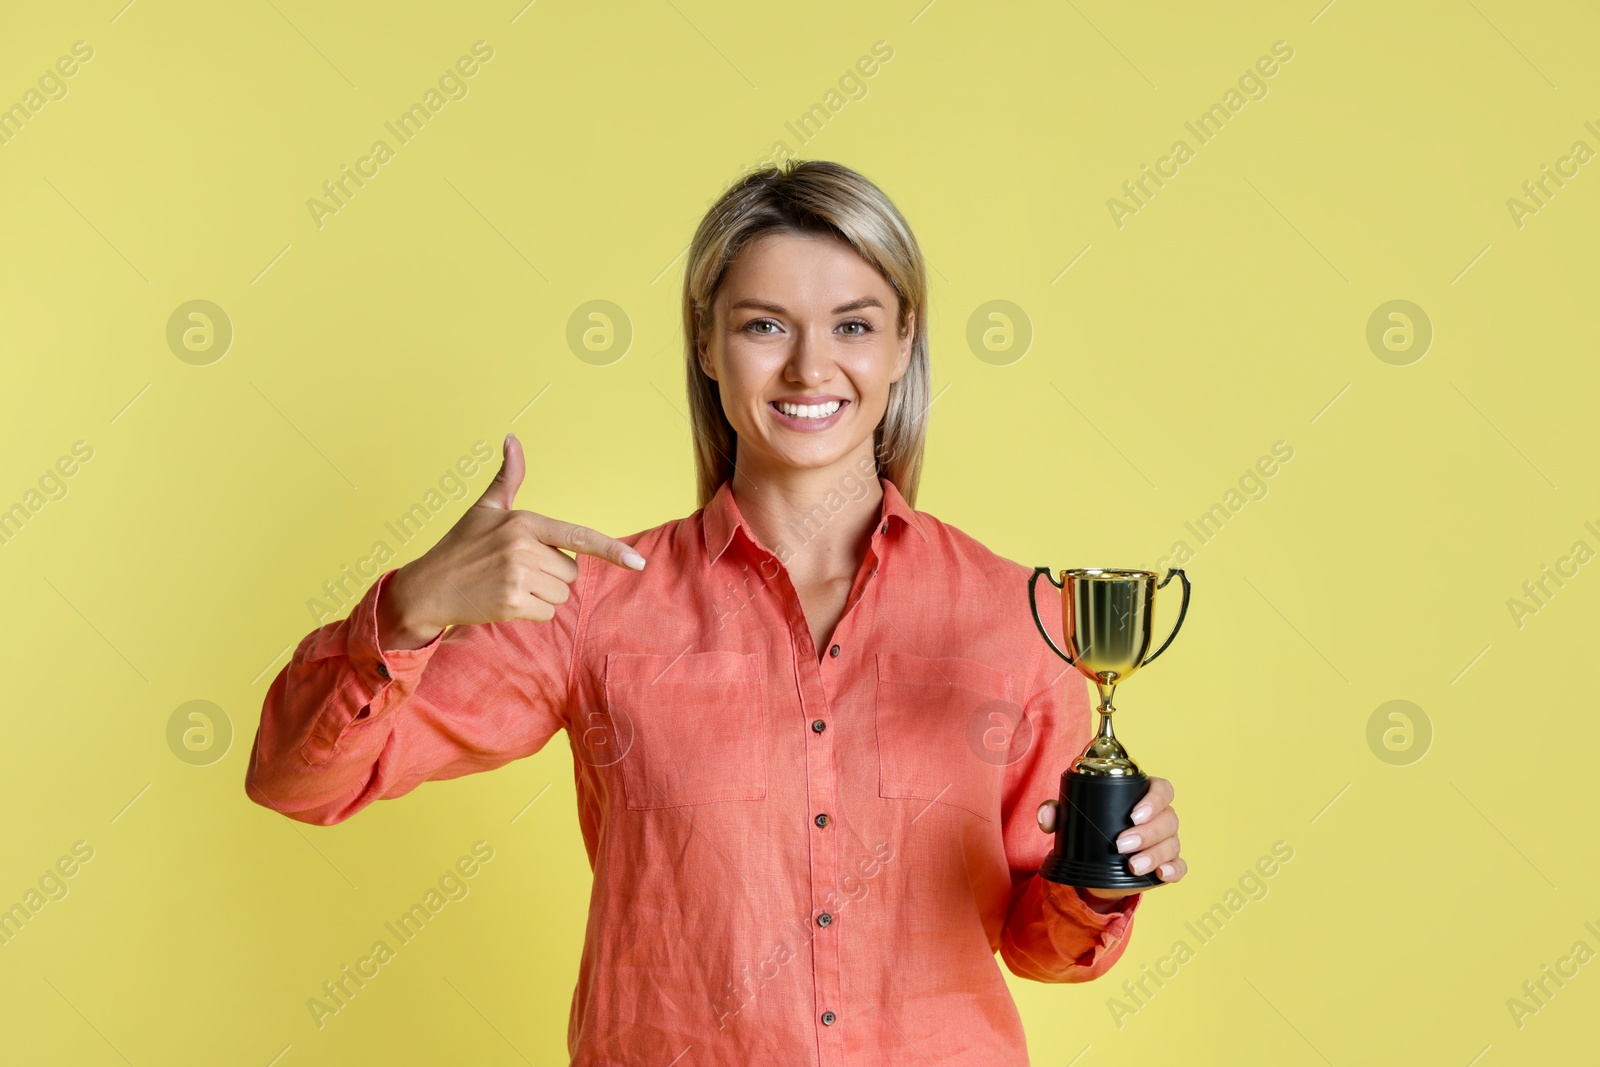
x: 721, y: 518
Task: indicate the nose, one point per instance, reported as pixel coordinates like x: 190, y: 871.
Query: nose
x: 809, y: 362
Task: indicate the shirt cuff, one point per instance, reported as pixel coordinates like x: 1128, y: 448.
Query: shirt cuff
x: 377, y: 668
x: 1066, y: 901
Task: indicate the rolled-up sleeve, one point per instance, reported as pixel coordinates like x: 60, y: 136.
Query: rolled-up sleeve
x: 346, y: 722
x: 1051, y: 934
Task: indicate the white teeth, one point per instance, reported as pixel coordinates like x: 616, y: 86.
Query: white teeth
x: 809, y: 411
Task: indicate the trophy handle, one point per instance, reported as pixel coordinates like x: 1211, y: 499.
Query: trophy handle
x: 1183, y: 609
x: 1033, y: 604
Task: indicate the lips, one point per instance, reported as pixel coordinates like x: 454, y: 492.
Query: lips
x: 815, y: 413
x: 817, y: 409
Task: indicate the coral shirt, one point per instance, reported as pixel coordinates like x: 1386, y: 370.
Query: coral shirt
x: 800, y: 856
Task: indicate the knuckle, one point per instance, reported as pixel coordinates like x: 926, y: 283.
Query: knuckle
x: 510, y: 536
x: 521, y: 524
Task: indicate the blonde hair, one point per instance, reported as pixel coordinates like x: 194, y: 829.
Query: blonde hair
x: 808, y: 198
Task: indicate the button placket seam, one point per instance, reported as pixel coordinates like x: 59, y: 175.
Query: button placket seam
x: 822, y: 795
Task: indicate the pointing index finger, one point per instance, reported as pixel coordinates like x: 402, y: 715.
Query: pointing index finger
x: 576, y: 538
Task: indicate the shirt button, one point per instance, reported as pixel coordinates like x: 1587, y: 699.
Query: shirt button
x: 822, y: 820
x: 828, y: 1017
x: 383, y: 670
x: 817, y: 725
x: 824, y: 919
x: 834, y: 651
x: 884, y: 528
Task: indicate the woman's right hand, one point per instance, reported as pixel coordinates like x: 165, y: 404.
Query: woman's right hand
x: 493, y: 565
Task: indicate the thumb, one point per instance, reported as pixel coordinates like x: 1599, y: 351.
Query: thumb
x: 502, y: 492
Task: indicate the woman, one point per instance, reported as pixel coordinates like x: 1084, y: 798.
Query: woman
x: 807, y: 845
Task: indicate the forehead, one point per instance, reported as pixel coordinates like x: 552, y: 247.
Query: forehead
x: 799, y: 271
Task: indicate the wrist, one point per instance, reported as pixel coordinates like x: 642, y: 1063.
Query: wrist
x: 398, y: 628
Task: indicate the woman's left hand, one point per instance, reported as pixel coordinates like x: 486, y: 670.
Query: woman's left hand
x: 1152, y: 840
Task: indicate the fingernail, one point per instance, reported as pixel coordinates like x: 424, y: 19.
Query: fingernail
x: 1168, y: 870
x: 1141, y: 813
x: 506, y: 443
x: 1128, y: 843
x: 633, y: 559
x: 1140, y: 864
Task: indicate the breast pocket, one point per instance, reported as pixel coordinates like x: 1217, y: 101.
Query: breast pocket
x: 935, y: 721
x: 698, y: 727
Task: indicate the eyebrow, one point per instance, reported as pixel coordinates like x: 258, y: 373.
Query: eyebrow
x: 778, y: 309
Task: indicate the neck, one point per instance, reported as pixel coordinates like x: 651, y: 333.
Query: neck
x: 817, y: 520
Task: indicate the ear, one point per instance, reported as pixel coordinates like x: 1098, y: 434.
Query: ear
x: 702, y: 348
x: 903, y: 358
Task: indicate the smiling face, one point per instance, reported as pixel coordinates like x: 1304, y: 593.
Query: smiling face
x: 803, y: 344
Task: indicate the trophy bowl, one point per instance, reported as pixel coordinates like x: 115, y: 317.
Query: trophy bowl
x: 1106, y: 617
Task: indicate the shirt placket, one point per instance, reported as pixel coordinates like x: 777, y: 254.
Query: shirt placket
x: 822, y: 797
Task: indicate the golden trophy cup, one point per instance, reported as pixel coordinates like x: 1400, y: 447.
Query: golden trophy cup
x: 1107, y: 618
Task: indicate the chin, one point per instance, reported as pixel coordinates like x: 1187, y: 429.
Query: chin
x: 811, y: 455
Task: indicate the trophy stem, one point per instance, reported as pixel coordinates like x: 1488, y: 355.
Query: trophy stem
x: 1105, y: 733
x: 1105, y: 755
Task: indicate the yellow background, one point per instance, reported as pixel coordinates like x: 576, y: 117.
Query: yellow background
x: 1229, y: 313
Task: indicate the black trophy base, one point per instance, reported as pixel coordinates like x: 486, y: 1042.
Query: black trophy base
x: 1091, y: 813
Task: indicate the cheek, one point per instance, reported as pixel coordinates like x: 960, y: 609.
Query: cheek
x: 741, y: 388
x: 872, y: 368
x: 740, y: 381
